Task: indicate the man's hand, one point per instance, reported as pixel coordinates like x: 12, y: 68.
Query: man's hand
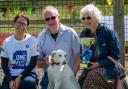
x: 47, y: 59
x: 43, y: 63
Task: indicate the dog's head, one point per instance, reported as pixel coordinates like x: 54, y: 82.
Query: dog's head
x: 58, y: 56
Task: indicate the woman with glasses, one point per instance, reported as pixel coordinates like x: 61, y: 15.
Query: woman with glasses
x: 19, y: 57
x: 57, y: 36
x: 106, y: 45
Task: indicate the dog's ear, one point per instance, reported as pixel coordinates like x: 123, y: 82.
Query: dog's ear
x: 52, y: 55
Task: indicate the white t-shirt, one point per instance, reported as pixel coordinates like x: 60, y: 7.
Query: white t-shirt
x: 19, y: 52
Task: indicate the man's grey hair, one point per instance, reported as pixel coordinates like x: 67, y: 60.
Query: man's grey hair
x: 91, y: 8
x: 50, y: 9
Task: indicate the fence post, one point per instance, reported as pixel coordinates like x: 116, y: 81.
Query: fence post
x: 118, y: 13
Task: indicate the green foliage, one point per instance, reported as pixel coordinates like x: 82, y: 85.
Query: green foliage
x: 126, y: 10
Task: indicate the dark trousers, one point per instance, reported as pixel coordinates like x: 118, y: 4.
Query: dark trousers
x: 44, y: 81
x: 28, y: 82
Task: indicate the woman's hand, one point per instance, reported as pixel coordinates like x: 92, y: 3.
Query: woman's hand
x: 12, y: 84
x: 93, y: 65
x: 17, y: 82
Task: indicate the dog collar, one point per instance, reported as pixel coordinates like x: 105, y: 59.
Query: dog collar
x: 57, y: 63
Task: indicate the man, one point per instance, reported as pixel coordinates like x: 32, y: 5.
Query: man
x: 57, y: 36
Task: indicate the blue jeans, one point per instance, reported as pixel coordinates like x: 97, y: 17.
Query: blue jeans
x: 28, y: 82
x: 44, y: 81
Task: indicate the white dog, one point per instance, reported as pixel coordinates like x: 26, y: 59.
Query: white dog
x: 60, y: 74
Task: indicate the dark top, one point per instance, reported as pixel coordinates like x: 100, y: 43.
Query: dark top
x: 54, y: 36
x: 107, y: 44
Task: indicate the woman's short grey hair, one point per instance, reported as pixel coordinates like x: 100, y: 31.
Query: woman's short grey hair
x: 91, y: 8
x: 51, y: 8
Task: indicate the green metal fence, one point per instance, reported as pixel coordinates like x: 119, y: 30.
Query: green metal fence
x: 68, y: 9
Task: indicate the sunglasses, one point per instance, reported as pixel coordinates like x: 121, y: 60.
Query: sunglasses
x: 88, y: 18
x: 51, y: 18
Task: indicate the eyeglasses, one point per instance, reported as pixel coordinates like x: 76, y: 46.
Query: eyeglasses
x: 50, y: 18
x: 88, y: 18
x: 21, y: 23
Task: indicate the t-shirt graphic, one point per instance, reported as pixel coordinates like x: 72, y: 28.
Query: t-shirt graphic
x: 19, y: 59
